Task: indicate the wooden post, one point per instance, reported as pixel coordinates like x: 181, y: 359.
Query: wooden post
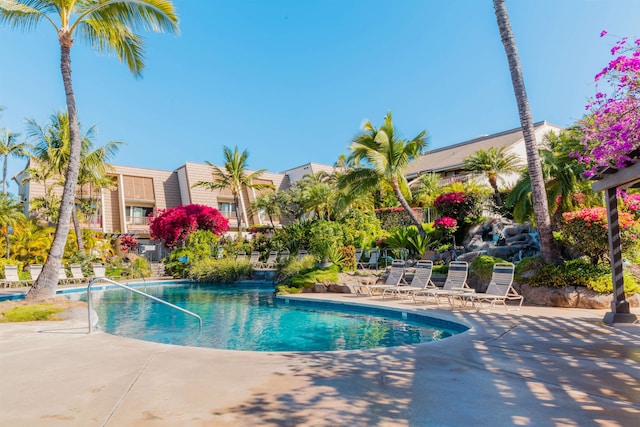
x: 620, y: 312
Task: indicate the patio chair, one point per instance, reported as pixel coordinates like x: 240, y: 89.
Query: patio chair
x: 394, y: 279
x: 99, y: 270
x: 372, y: 263
x: 254, y: 259
x: 11, y: 277
x: 34, y: 271
x: 454, y: 285
x: 420, y: 281
x: 62, y: 276
x: 241, y: 256
x: 358, y: 255
x: 284, y: 256
x: 77, y: 274
x: 301, y: 254
x: 500, y: 290
x: 271, y: 260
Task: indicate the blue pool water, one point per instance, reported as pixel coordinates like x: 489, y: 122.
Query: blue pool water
x: 249, y: 317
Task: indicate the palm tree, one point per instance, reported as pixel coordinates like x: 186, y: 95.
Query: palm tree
x: 267, y: 203
x: 9, y: 146
x: 108, y: 26
x: 385, y: 157
x: 10, y: 216
x: 52, y: 149
x: 548, y: 251
x: 234, y: 177
x: 492, y: 163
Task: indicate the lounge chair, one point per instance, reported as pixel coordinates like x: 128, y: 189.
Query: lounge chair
x: 99, y: 270
x: 271, y: 260
x: 358, y: 256
x: 301, y: 254
x: 254, y: 259
x: 34, y: 271
x: 62, y: 276
x: 394, y: 279
x: 284, y: 256
x: 77, y: 276
x: 372, y: 263
x: 500, y: 290
x: 420, y: 281
x: 241, y: 256
x: 12, y: 279
x: 455, y: 284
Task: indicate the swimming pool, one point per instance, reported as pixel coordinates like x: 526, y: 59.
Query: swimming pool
x: 249, y: 317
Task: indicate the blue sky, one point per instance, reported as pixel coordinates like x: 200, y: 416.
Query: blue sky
x: 292, y: 81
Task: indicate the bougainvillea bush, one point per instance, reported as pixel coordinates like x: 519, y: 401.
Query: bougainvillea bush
x: 173, y: 225
x: 128, y: 243
x: 611, y: 131
x: 586, y: 232
x: 463, y: 207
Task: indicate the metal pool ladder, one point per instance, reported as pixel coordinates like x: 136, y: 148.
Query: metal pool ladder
x: 113, y: 282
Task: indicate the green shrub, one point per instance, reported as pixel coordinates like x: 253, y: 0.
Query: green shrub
x: 29, y: 313
x: 348, y: 258
x: 308, y: 278
x: 223, y: 270
x: 292, y: 268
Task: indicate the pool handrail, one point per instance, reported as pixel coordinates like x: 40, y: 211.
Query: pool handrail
x: 113, y: 282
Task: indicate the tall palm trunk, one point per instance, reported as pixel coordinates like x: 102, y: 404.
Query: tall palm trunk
x: 46, y: 284
x: 238, y: 214
x: 549, y: 252
x: 77, y: 229
x: 4, y: 175
x: 405, y: 205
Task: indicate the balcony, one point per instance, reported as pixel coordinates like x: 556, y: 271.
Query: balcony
x: 138, y: 224
x: 94, y: 223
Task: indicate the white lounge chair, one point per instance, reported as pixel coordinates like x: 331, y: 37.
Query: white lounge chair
x: 395, y: 278
x: 12, y: 278
x: 77, y: 274
x: 284, y: 256
x: 271, y: 260
x: 241, y: 256
x: 500, y: 290
x: 301, y: 254
x: 34, y: 271
x: 454, y: 285
x: 62, y: 276
x: 99, y: 270
x: 420, y: 281
x: 254, y: 259
x: 372, y: 263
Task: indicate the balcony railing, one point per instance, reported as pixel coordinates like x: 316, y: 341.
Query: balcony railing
x: 138, y: 220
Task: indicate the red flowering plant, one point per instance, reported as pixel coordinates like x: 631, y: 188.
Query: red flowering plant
x: 128, y: 243
x: 586, y: 231
x: 174, y: 225
x: 630, y: 203
x: 463, y: 207
x: 446, y: 225
x: 611, y: 132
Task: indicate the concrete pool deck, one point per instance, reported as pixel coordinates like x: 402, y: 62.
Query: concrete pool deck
x: 540, y: 366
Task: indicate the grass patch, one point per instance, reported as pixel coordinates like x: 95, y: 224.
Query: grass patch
x: 29, y: 313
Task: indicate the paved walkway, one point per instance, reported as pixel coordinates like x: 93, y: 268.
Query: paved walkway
x: 540, y: 367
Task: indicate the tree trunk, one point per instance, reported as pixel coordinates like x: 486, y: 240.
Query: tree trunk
x: 4, y: 175
x: 45, y: 286
x: 548, y: 250
x: 78, y: 230
x: 238, y: 219
x: 403, y: 202
x: 6, y: 238
x: 496, y: 191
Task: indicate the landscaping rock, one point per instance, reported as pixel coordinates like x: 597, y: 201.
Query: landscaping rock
x: 319, y: 288
x: 339, y: 289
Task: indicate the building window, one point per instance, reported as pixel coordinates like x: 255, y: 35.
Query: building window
x: 138, y: 215
x: 227, y: 209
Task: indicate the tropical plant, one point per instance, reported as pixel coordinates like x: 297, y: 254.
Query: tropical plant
x: 268, y: 204
x: 493, y: 162
x: 173, y: 225
x: 425, y: 188
x: 234, y: 177
x: 548, y: 250
x: 31, y: 243
x: 51, y: 150
x: 108, y: 26
x: 10, y: 217
x: 385, y: 157
x: 10, y: 147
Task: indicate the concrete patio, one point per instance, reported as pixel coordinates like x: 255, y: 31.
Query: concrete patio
x: 540, y: 366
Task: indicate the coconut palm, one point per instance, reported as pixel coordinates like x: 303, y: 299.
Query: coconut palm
x: 425, y: 188
x: 9, y: 146
x: 10, y: 217
x: 548, y: 251
x: 234, y: 177
x: 384, y: 157
x: 107, y: 26
x: 268, y: 204
x: 492, y: 163
x: 51, y: 149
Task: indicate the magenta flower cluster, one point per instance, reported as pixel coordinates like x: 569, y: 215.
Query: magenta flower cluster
x: 611, y: 132
x: 128, y: 242
x: 446, y: 223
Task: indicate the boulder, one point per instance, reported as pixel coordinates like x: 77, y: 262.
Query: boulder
x: 319, y: 288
